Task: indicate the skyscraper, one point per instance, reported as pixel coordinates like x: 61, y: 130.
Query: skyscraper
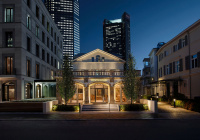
x: 116, y: 36
x: 66, y: 15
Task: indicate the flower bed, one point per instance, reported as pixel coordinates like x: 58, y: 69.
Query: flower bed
x: 65, y: 108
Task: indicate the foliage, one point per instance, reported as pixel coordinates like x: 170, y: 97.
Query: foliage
x: 65, y: 108
x: 133, y: 107
x: 34, y: 100
x: 180, y: 96
x: 146, y: 97
x: 66, y: 85
x: 129, y: 80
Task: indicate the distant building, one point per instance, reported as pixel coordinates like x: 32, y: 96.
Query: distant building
x: 179, y: 64
x: 66, y: 15
x: 154, y: 68
x: 30, y: 50
x: 116, y: 36
x: 146, y: 77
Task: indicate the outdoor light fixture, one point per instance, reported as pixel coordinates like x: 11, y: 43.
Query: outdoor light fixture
x: 174, y: 103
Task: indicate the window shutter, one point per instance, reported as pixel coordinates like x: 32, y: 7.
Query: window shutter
x: 186, y: 40
x: 173, y: 67
x: 180, y: 44
x: 181, y: 65
x: 187, y: 62
x: 174, y: 48
x: 170, y: 68
x: 198, y: 59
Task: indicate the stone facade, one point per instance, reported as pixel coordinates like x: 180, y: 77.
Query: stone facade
x: 28, y: 35
x: 98, y: 77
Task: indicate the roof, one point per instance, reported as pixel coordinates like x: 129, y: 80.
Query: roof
x: 101, y: 51
x: 179, y: 35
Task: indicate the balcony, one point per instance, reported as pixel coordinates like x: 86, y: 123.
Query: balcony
x: 98, y: 73
x: 4, y: 72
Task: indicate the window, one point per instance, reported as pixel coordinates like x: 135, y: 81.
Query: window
x: 9, y: 39
x: 194, y: 61
x: 47, y: 42
x: 29, y: 22
x: 37, y: 50
x: 37, y: 71
x: 98, y: 58
x: 52, y: 74
x: 37, y: 31
x: 175, y: 48
x: 51, y: 31
x: 43, y: 55
x: 55, y: 36
x: 103, y: 59
x: 58, y: 40
x: 43, y: 37
x: 28, y: 64
x: 28, y: 3
x: 52, y: 60
x: 55, y: 63
x: 37, y: 12
x: 9, y: 65
x: 47, y: 26
x: 177, y: 66
x: 48, y: 58
x: 52, y: 46
x: 8, y: 15
x: 92, y: 59
x: 167, y: 69
x: 43, y: 20
x: 55, y: 50
x: 28, y: 44
x: 183, y: 43
x: 58, y: 65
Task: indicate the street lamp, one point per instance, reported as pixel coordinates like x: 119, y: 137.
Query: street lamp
x: 174, y: 103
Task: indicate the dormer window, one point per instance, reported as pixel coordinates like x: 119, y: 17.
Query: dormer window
x: 103, y: 59
x: 92, y: 59
x: 98, y: 58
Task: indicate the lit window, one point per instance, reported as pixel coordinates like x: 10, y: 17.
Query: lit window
x: 29, y: 22
x: 9, y: 15
x: 9, y: 39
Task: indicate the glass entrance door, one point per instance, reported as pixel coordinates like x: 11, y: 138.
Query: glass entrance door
x: 99, y: 96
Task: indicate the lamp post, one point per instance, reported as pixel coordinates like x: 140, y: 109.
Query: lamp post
x: 174, y: 103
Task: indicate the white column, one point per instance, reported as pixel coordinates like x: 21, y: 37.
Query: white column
x: 120, y: 93
x: 77, y: 93
x: 83, y: 94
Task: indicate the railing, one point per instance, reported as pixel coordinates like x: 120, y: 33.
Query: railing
x: 4, y: 72
x: 98, y: 73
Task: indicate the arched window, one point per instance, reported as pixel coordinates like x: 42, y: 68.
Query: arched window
x: 98, y: 58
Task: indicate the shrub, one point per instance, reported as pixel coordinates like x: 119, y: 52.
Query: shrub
x: 133, y: 107
x: 146, y: 97
x: 65, y: 108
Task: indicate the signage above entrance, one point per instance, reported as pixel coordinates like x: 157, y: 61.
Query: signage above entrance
x: 99, y: 80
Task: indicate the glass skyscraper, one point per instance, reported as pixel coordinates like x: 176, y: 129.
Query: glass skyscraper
x: 66, y: 15
x: 116, y: 36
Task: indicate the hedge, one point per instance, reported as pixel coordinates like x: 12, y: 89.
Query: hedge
x: 65, y: 108
x: 133, y: 107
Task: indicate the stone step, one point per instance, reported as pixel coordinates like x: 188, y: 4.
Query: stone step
x: 100, y: 107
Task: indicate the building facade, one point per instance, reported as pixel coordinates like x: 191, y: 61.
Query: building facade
x: 98, y: 78
x: 66, y: 15
x: 179, y: 64
x: 116, y: 36
x: 154, y: 68
x: 30, y: 50
x: 146, y: 77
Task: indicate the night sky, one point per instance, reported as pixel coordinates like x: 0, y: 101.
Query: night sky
x: 152, y: 21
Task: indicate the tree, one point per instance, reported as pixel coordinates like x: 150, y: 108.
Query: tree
x: 66, y: 84
x: 130, y: 80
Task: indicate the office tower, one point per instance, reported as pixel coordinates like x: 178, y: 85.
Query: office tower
x: 116, y: 36
x: 66, y: 15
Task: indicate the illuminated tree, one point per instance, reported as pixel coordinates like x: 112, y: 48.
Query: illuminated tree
x: 66, y: 85
x: 130, y: 80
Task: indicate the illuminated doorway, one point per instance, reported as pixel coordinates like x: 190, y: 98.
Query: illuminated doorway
x: 8, y: 92
x: 99, y: 93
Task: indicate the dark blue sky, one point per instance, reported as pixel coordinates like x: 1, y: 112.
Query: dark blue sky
x: 152, y: 21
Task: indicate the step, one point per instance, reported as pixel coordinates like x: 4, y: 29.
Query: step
x: 100, y: 107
